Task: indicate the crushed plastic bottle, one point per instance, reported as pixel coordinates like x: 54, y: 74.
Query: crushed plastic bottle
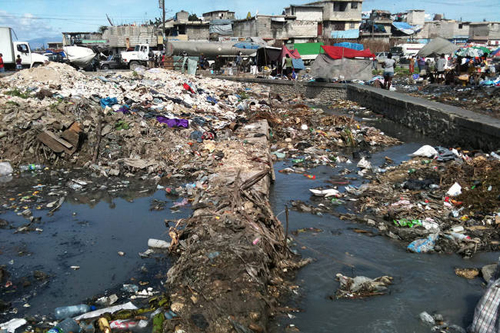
x: 5, y: 169
x: 31, y: 167
x: 72, y: 310
x: 68, y: 325
x: 427, y: 318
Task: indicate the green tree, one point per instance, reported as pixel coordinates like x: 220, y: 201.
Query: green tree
x: 193, y: 17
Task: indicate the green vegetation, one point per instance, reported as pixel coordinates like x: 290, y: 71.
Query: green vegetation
x: 18, y: 93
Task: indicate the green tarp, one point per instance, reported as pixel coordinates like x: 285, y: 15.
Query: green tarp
x: 309, y: 48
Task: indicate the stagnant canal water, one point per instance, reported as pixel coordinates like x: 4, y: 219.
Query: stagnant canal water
x: 90, y: 236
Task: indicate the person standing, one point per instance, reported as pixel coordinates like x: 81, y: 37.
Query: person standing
x: 288, y: 66
x: 440, y: 66
x: 2, y: 67
x: 388, y: 66
x: 420, y: 63
x: 412, y: 65
x: 239, y: 62
x: 19, y: 63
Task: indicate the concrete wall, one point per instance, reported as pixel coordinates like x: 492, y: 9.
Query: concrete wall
x: 415, y: 17
x: 218, y: 15
x: 448, y: 124
x: 197, y: 32
x: 305, y: 13
x: 485, y: 29
x: 117, y: 36
x: 264, y: 27
x: 444, y: 29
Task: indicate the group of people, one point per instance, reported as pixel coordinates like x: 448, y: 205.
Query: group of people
x: 19, y: 63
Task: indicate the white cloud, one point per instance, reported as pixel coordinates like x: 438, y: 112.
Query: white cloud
x: 27, y: 26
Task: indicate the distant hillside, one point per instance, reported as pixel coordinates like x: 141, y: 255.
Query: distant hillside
x: 42, y: 42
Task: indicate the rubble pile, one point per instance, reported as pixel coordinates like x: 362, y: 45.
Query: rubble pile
x: 314, y: 137
x: 449, y: 203
x: 232, y: 254
x: 114, y: 124
x: 483, y: 99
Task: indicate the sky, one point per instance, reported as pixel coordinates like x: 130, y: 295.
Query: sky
x: 48, y: 18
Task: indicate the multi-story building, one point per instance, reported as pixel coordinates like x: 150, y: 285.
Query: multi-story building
x: 276, y: 28
x: 455, y: 31
x: 218, y: 15
x: 341, y: 18
x: 485, y: 32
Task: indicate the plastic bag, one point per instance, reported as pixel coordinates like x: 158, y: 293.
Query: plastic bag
x: 423, y: 245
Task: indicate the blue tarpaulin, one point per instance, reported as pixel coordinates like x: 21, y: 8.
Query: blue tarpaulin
x: 353, y: 33
x: 406, y: 28
x: 246, y: 45
x: 354, y: 46
x: 298, y: 64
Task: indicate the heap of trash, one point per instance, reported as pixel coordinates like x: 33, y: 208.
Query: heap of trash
x: 442, y: 200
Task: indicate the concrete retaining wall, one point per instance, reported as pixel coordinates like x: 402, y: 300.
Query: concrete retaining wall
x: 448, y: 124
x: 327, y: 92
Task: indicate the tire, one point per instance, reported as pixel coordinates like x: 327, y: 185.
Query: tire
x: 105, y: 67
x: 37, y: 64
x: 134, y: 64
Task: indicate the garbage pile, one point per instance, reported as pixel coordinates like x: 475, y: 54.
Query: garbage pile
x: 482, y: 99
x: 312, y: 137
x: 233, y: 258
x: 150, y: 120
x: 362, y: 286
x: 441, y: 201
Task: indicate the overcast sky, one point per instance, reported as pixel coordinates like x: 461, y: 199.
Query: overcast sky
x: 48, y: 18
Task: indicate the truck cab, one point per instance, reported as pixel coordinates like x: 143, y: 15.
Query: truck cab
x: 29, y: 59
x: 140, y: 56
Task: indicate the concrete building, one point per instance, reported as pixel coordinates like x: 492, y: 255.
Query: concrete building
x: 305, y: 12
x: 126, y: 36
x: 377, y: 26
x: 83, y: 38
x: 276, y: 28
x: 415, y: 17
x: 218, y: 15
x: 455, y: 31
x: 341, y: 18
x: 485, y: 32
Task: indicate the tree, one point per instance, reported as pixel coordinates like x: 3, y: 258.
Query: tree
x: 102, y: 28
x: 193, y: 17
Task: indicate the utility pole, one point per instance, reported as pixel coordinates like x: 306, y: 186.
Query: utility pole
x: 163, y: 29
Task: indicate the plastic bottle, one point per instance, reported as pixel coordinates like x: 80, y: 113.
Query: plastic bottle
x: 309, y: 176
x: 68, y: 325
x: 31, y: 167
x: 72, y: 310
x: 495, y: 155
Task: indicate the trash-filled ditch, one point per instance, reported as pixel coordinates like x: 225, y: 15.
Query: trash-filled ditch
x: 153, y: 188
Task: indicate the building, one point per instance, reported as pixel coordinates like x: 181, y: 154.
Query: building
x: 280, y: 28
x: 127, y: 36
x: 83, y: 39
x: 485, y: 32
x: 341, y: 18
x: 54, y: 45
x: 218, y: 15
x: 415, y: 17
x: 180, y: 28
x: 455, y: 31
x: 377, y: 26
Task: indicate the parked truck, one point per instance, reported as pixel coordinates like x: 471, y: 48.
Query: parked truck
x: 11, y: 49
x: 140, y: 56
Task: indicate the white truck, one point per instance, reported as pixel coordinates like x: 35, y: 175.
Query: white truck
x: 140, y: 56
x: 11, y: 49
